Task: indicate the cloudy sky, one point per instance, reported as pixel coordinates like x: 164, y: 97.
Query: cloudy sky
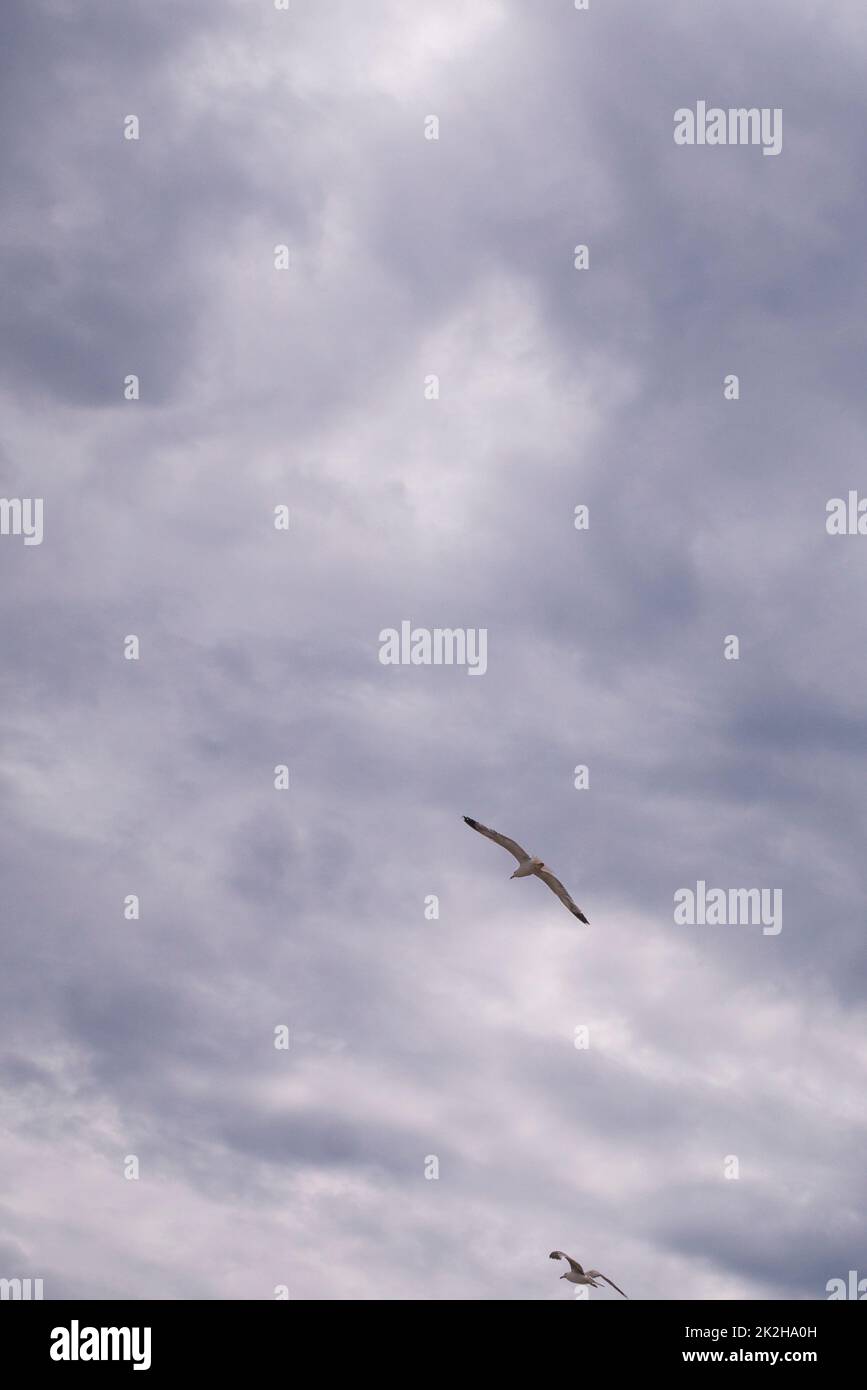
x: 413, y: 1037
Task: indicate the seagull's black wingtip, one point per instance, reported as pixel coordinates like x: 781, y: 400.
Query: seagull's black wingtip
x: 580, y: 915
x: 469, y: 820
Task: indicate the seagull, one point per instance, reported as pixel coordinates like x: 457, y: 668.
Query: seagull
x: 528, y: 864
x: 576, y: 1274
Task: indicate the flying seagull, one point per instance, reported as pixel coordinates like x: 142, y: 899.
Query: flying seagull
x: 576, y: 1274
x: 528, y: 864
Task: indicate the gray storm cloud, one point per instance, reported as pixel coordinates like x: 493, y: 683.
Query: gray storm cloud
x: 409, y: 1036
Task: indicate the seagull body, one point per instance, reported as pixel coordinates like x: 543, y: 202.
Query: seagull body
x: 528, y: 864
x: 577, y: 1275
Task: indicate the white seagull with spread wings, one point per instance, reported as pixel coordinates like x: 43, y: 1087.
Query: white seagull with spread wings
x: 528, y: 864
x: 576, y: 1274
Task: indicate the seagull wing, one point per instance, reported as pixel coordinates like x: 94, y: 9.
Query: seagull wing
x: 595, y: 1274
x: 556, y: 887
x: 561, y: 1255
x: 511, y: 845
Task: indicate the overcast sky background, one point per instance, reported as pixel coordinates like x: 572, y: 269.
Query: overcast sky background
x: 411, y: 1037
